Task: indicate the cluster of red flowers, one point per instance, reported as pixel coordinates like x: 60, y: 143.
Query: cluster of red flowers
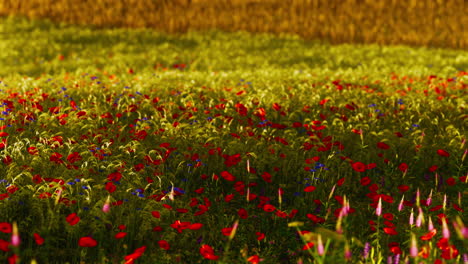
x: 261, y: 192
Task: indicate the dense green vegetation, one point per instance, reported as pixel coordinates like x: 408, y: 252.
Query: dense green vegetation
x: 135, y: 146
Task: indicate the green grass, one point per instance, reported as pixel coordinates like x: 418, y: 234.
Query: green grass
x: 175, y: 115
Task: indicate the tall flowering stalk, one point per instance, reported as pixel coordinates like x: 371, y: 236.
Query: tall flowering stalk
x: 347, y: 252
x: 320, y: 248
x: 365, y: 252
x: 280, y: 197
x: 418, y: 198
x: 445, y: 229
x: 414, y: 246
x: 444, y: 204
x: 430, y: 225
x: 231, y: 237
x: 15, y: 238
x: 401, y: 205
x: 419, y: 218
x: 429, y: 199
x: 411, y: 218
x: 106, y: 206
x: 378, y: 210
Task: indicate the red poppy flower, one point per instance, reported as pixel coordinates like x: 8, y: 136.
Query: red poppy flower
x: 365, y: 181
x: 3, y: 134
x: 13, y: 259
x: 56, y: 158
x: 226, y: 231
x: 443, y: 153
x: 403, y: 167
x: 232, y: 160
x: 179, y: 226
x: 339, y: 199
x: 251, y: 196
x: 12, y: 189
x: 33, y: 150
x: 390, y: 231
x: 450, y: 181
x: 261, y: 113
x: 449, y: 252
x: 228, y: 176
x: 359, y: 166
x: 136, y: 254
x: 403, y: 188
x: 266, y: 177
x: 429, y: 235
x: 324, y: 101
x: 435, y: 208
x: 74, y: 157
x: 242, y: 213
x: 396, y: 250
x: 312, y: 160
x: 80, y: 114
x: 374, y: 187
x: 239, y: 187
x: 110, y: 187
x: 228, y: 198
x: 5, y: 227
x: 388, y: 216
x: 207, y: 252
x: 382, y: 145
x: 260, y: 235
x: 7, y: 160
x: 120, y: 235
x: 54, y: 110
x: 315, y: 219
x: 340, y: 181
x: 268, y: 208
x: 255, y: 259
x: 433, y: 168
x: 457, y: 207
x: 87, y: 242
x: 387, y: 198
x: 193, y: 202
x: 389, y: 224
x: 157, y: 229
x: 115, y: 176
x: 276, y: 106
x: 308, y: 245
x: 281, y: 214
x: 39, y: 240
x: 293, y: 213
x: 4, y: 245
x: 442, y: 243
x: 164, y: 244
x: 73, y: 219
x: 309, y: 189
x: 37, y: 179
x: 156, y: 214
x: 195, y: 226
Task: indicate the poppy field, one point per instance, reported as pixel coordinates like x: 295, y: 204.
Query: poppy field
x: 130, y: 146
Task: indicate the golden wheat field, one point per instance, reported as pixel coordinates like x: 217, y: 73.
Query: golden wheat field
x: 436, y: 23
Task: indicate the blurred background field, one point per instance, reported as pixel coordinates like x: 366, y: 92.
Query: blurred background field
x: 432, y: 23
